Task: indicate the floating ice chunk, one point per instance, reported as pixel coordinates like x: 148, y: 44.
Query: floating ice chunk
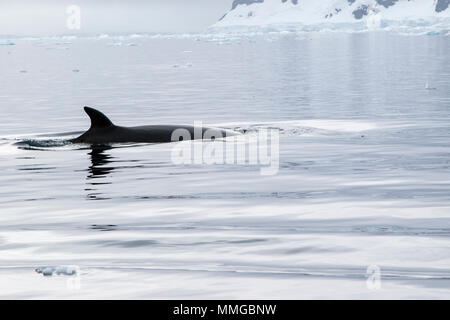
x: 135, y: 36
x: 427, y: 86
x: 58, y: 270
x: 103, y: 36
x: 115, y: 44
x: 5, y: 42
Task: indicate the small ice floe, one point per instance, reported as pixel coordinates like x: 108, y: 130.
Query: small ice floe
x: 115, y: 44
x: 23, y: 71
x: 5, y: 42
x: 427, y: 86
x: 62, y: 43
x: 58, y: 270
x: 433, y: 33
x: 188, y: 64
x: 136, y: 36
x: 103, y: 36
x: 187, y: 51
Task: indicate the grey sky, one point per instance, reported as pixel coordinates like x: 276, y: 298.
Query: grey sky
x: 40, y: 17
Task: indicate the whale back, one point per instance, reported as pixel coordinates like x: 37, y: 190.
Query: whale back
x: 102, y: 130
x: 98, y: 119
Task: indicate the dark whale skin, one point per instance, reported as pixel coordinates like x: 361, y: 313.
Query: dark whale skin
x: 102, y: 130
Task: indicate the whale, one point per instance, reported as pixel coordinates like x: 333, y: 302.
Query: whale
x: 103, y: 131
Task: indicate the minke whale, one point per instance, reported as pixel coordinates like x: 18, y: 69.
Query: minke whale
x: 102, y: 130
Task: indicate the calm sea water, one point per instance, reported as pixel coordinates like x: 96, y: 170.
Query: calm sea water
x: 363, y: 180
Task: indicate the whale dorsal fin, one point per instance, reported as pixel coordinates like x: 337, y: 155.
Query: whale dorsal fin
x: 98, y: 119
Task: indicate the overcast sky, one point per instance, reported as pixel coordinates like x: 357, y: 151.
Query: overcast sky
x: 47, y: 17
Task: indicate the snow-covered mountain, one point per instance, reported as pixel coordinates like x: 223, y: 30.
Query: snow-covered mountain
x: 362, y: 13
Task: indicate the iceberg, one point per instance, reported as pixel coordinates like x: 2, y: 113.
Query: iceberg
x: 416, y: 16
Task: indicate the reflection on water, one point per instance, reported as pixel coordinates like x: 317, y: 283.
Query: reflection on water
x: 98, y: 169
x: 98, y: 161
